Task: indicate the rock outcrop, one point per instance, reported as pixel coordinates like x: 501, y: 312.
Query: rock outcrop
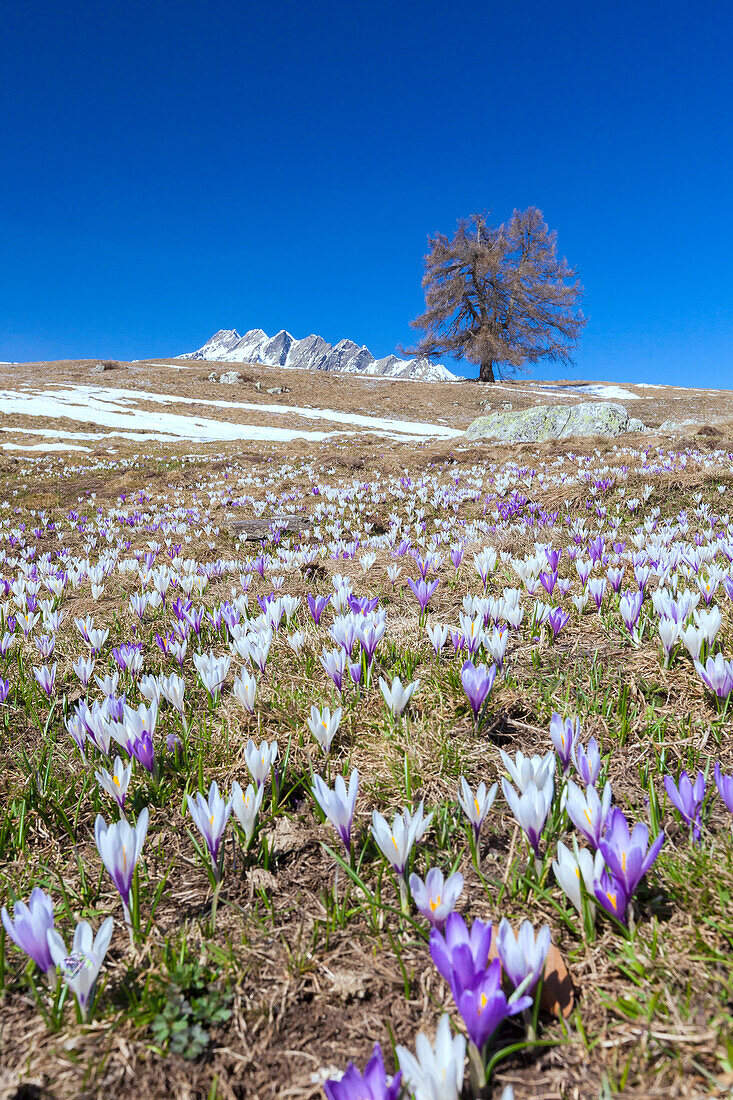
x: 545, y: 422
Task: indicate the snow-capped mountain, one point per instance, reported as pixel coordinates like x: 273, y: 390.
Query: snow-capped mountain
x: 313, y: 353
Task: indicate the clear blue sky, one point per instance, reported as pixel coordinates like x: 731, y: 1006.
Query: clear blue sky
x: 171, y: 169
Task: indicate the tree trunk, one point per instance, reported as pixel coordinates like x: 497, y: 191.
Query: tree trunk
x: 486, y: 374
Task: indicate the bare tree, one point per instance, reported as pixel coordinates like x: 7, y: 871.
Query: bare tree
x: 499, y: 296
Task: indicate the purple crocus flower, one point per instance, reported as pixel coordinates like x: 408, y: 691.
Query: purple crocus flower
x: 4, y: 689
x: 587, y: 761
x: 724, y: 783
x: 423, y: 590
x: 29, y: 926
x: 557, y: 619
x: 316, y: 606
x: 564, y: 733
x: 687, y: 797
x: 477, y: 683
x: 484, y: 1006
x: 144, y: 752
x: 612, y: 895
x: 627, y: 852
x: 548, y: 581
x: 717, y: 675
x: 456, y: 556
x: 461, y: 956
x: 371, y: 1085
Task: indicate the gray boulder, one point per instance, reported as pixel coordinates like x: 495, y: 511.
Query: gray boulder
x: 545, y: 422
x: 230, y: 378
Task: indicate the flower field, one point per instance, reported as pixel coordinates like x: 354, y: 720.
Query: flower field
x: 447, y: 769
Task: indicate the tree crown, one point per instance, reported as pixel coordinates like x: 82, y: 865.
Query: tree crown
x: 498, y: 296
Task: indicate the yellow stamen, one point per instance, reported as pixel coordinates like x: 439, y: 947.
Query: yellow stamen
x: 115, y: 779
x: 434, y: 904
x: 482, y: 1005
x: 478, y: 809
x: 623, y: 861
x: 612, y: 899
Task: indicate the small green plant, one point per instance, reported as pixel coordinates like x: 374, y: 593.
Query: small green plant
x: 193, y: 1004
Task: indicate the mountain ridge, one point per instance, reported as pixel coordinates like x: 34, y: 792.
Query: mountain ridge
x: 313, y: 353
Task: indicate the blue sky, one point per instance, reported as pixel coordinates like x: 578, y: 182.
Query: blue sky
x: 171, y: 169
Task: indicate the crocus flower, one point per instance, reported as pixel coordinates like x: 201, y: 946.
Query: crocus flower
x: 612, y: 895
x: 212, y: 671
x: 115, y: 785
x: 245, y: 807
x: 84, y: 667
x: 260, y: 760
x: 119, y: 846
x: 434, y: 1071
x: 461, y: 956
x: 423, y: 590
x: 245, y: 690
x: 211, y: 816
x: 688, y: 798
x: 46, y: 678
x: 587, y: 761
x: 724, y: 783
x: 484, y: 1006
x: 29, y: 926
x: 523, y: 956
x: 564, y: 732
x: 569, y: 869
x: 396, y: 843
x: 476, y: 807
x: 477, y: 681
x: 436, y: 898
x: 81, y: 968
x: 334, y: 663
x: 530, y: 809
x: 324, y: 725
x: 530, y: 769
x: 316, y: 606
x: 717, y: 675
x: 627, y: 852
x: 557, y: 619
x: 370, y: 1085
x: 588, y: 812
x: 338, y: 804
x: 397, y: 697
x: 438, y: 636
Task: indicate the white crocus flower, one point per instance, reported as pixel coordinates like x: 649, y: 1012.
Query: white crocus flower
x: 476, y: 806
x: 569, y: 868
x: 212, y: 671
x: 172, y: 688
x: 80, y: 968
x: 397, y: 697
x: 116, y: 784
x: 245, y: 807
x: 260, y: 760
x: 396, y: 843
x: 323, y: 725
x: 245, y: 690
x: 435, y: 1071
x: 530, y: 769
x: 438, y: 636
